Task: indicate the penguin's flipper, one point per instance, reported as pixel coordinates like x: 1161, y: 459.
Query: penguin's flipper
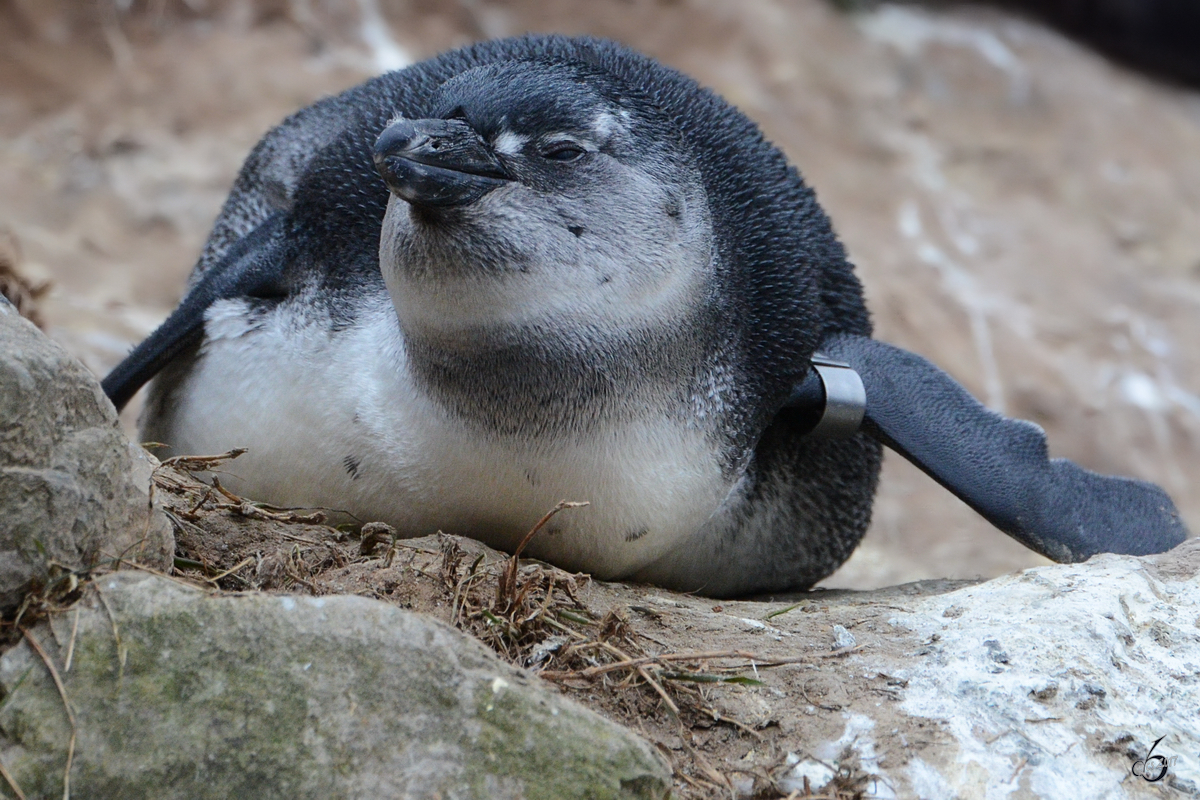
x: 252, y: 267
x: 1000, y: 466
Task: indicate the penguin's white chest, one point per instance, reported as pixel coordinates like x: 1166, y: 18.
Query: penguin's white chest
x: 337, y: 420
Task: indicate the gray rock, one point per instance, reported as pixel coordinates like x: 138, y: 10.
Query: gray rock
x: 1058, y: 679
x: 1052, y: 682
x: 181, y: 693
x: 73, y: 489
x: 842, y: 638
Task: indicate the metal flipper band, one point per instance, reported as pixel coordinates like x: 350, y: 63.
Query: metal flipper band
x: 845, y: 399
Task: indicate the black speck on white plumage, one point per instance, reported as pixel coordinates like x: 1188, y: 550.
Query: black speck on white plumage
x: 301, y: 366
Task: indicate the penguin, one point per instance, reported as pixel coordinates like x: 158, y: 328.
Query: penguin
x: 548, y: 268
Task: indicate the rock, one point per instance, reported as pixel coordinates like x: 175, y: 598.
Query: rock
x: 1056, y: 680
x: 842, y: 638
x: 1051, y: 682
x: 73, y: 489
x: 181, y: 693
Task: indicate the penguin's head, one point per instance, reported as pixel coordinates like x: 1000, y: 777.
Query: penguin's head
x: 541, y: 194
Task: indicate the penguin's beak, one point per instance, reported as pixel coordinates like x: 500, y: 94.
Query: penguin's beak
x: 437, y: 162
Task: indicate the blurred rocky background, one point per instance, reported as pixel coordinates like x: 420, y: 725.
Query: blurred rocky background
x: 1021, y: 209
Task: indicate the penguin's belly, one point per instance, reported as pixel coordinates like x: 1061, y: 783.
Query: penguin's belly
x: 337, y: 421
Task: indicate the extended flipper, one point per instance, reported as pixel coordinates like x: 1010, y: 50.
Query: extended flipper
x: 252, y: 267
x: 998, y: 466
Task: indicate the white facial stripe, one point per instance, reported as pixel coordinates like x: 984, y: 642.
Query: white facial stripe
x: 606, y: 124
x: 509, y: 143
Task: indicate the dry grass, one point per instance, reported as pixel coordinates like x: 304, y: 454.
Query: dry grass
x: 530, y: 613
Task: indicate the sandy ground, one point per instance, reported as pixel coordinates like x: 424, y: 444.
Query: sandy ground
x: 1021, y: 211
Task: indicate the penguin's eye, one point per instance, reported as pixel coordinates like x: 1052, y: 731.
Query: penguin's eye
x: 563, y: 151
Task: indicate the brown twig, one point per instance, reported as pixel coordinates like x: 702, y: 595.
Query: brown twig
x: 295, y: 576
x: 62, y: 693
x: 201, y: 463
x: 716, y: 776
x: 116, y: 634
x: 231, y: 570
x: 506, y: 586
x: 645, y: 675
x: 717, y: 717
x: 191, y: 512
x: 173, y: 578
x: 12, y: 783
x: 757, y: 660
x: 252, y: 511
x: 293, y: 538
x: 71, y: 642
